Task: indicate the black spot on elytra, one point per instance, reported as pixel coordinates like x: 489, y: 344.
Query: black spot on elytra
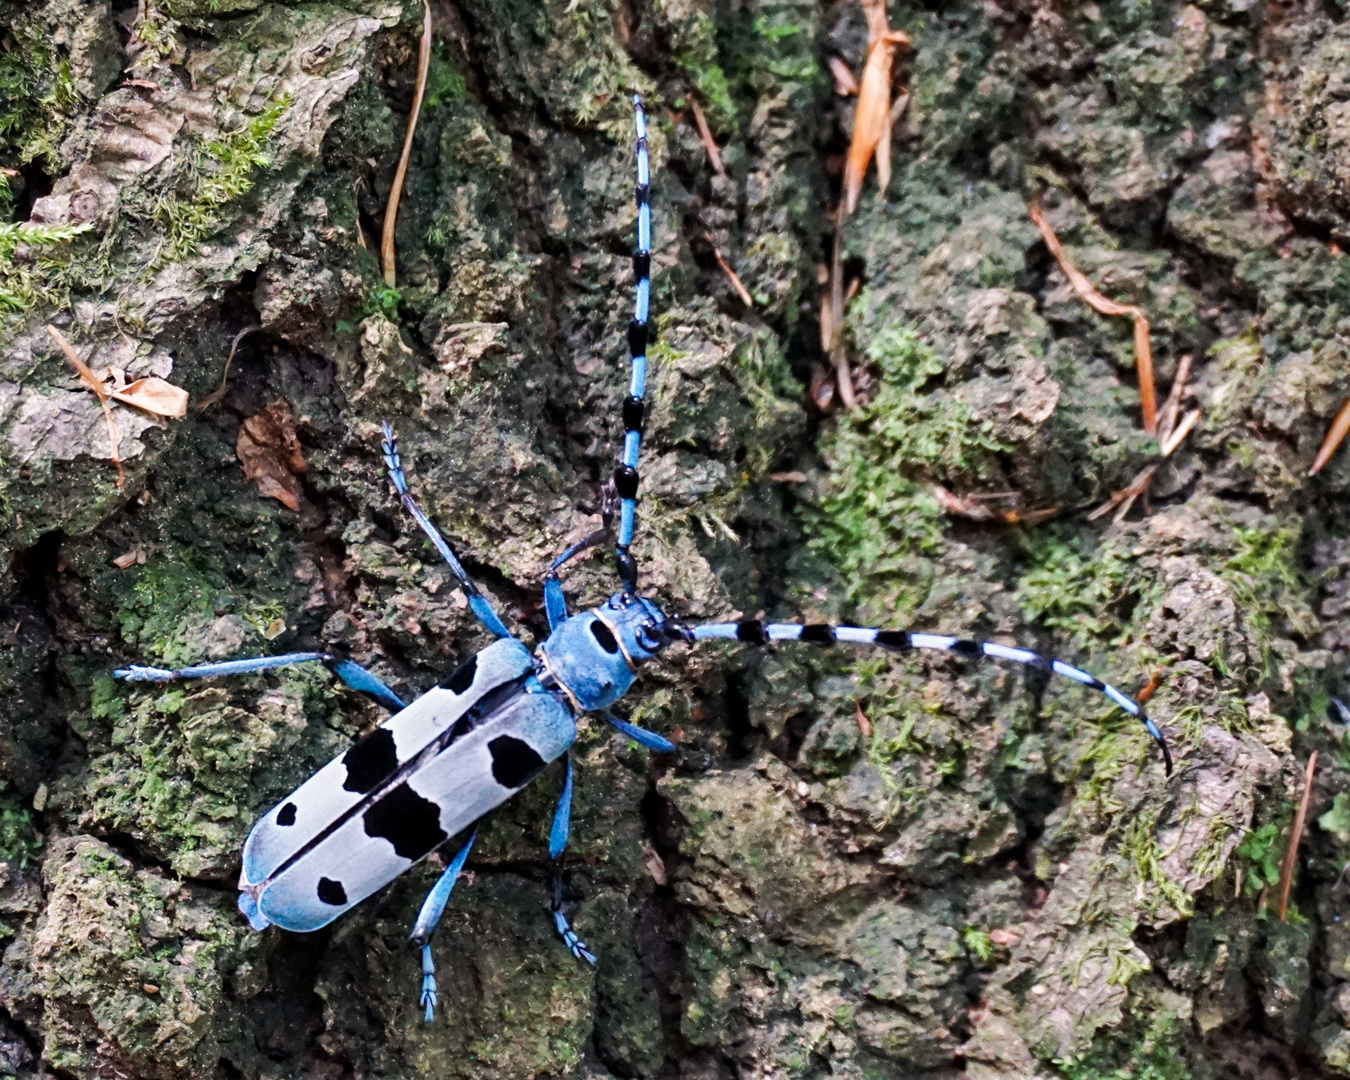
x: 461, y: 678
x: 286, y: 815
x: 370, y: 761
x: 332, y: 892
x: 514, y: 762
x: 603, y: 635
x: 407, y: 820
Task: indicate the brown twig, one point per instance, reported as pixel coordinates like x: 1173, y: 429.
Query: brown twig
x: 95, y: 385
x: 1340, y: 427
x: 219, y: 392
x: 388, y: 254
x: 1291, y: 852
x: 736, y: 283
x: 709, y: 143
x: 1143, y: 350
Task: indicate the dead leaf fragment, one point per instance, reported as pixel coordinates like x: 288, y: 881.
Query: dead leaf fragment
x: 656, y: 866
x: 872, y: 119
x: 1003, y: 937
x: 269, y: 451
x: 131, y: 558
x: 155, y: 396
x: 845, y: 85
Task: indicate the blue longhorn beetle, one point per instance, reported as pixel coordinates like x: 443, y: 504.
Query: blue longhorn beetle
x: 439, y: 764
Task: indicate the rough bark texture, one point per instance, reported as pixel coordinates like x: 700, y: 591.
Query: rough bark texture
x: 998, y: 880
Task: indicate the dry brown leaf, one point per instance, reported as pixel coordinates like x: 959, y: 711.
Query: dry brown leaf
x: 388, y: 254
x: 155, y: 396
x: 874, y: 11
x: 864, y: 724
x: 1340, y: 427
x: 1143, y: 349
x: 871, y: 120
x: 270, y: 453
x: 656, y: 866
x: 132, y: 558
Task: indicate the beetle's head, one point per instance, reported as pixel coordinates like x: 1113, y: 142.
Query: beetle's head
x: 594, y: 654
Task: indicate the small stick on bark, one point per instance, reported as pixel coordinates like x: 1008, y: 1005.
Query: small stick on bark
x: 219, y: 392
x: 1291, y: 852
x: 388, y: 255
x: 99, y: 391
x: 1340, y: 427
x: 736, y: 283
x: 838, y: 355
x: 1143, y: 349
x: 709, y: 143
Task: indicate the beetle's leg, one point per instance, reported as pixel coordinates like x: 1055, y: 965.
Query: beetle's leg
x: 477, y: 602
x: 557, y: 842
x: 755, y: 632
x: 350, y: 672
x: 562, y: 816
x: 650, y: 739
x: 555, y: 603
x: 432, y: 909
x: 564, y: 928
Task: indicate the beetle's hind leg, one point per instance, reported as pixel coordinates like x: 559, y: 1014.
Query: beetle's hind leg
x: 433, y: 907
x: 557, y: 844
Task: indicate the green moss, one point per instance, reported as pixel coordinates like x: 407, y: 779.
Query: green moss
x: 165, y: 599
x: 221, y: 170
x: 444, y: 82
x: 36, y: 275
x: 19, y: 841
x: 876, y: 516
x: 1095, y: 598
x: 1139, y: 846
x: 1259, y: 853
x: 978, y: 943
x: 37, y: 97
x: 1267, y: 587
x: 696, y: 55
x: 1155, y: 1056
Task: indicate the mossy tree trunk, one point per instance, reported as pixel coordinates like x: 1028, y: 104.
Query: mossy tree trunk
x: 854, y: 867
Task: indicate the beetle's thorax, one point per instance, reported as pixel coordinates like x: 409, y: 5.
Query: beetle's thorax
x: 593, y: 655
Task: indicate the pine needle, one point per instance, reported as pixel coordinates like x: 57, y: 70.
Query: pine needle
x: 96, y: 387
x: 388, y: 253
x: 709, y: 143
x: 1340, y: 427
x: 1295, y: 837
x: 1143, y: 350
